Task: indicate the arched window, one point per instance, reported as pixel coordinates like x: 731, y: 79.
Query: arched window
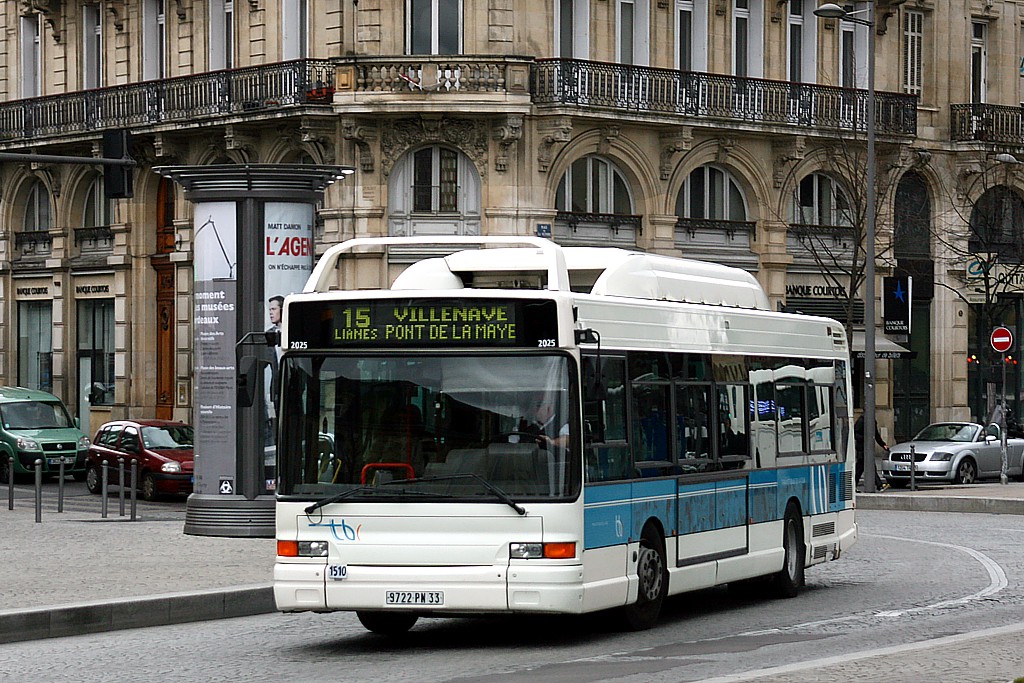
x: 711, y: 193
x: 95, y: 234
x: 821, y: 202
x: 912, y: 213
x: 37, y: 209
x: 997, y: 224
x: 434, y: 191
x: 712, y: 218
x: 595, y: 205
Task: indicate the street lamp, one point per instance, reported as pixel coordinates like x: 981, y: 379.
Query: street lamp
x: 831, y: 10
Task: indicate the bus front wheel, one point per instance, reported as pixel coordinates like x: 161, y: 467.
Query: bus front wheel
x: 652, y: 575
x: 387, y: 623
x: 790, y: 578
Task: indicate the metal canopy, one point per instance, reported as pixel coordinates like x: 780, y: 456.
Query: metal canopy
x: 251, y: 179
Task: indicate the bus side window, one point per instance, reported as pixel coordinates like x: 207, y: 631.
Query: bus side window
x: 604, y: 413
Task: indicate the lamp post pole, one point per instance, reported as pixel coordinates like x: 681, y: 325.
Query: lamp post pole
x: 834, y: 11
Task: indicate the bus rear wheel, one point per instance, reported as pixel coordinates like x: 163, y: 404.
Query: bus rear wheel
x: 386, y: 623
x: 652, y: 575
x: 790, y: 578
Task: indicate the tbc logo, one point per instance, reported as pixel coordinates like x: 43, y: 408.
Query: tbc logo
x: 342, y: 530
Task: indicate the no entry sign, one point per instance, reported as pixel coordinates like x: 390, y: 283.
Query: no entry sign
x: 1002, y: 339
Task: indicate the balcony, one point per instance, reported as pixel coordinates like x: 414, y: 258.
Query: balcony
x: 32, y: 244
x: 986, y: 123
x: 434, y: 74
x: 647, y: 90
x: 574, y: 228
x: 717, y: 240
x: 266, y: 89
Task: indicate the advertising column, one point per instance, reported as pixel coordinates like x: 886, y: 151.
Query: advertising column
x: 215, y: 302
x: 287, y: 262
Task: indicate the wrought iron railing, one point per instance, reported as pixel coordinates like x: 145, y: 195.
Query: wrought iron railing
x: 97, y: 238
x: 704, y: 95
x: 987, y: 123
x: 692, y: 225
x: 840, y: 235
x: 251, y: 89
x: 33, y: 242
x: 614, y: 221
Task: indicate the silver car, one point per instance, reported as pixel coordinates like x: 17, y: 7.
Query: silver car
x: 960, y: 452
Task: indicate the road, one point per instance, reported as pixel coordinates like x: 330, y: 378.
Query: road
x: 922, y: 597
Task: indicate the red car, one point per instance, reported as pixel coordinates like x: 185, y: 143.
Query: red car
x: 163, y: 449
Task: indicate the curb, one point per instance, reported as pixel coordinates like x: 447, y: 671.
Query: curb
x: 111, y: 615
x: 917, y: 503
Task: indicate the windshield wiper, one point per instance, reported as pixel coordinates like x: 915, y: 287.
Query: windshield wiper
x: 498, y: 492
x: 370, y: 489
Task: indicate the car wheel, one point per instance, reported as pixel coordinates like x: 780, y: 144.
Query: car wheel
x: 790, y: 578
x: 387, y: 623
x: 966, y: 472
x: 149, y: 491
x: 93, y: 482
x: 652, y: 575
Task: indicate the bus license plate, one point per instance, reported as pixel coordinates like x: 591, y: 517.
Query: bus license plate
x: 337, y: 572
x: 415, y: 597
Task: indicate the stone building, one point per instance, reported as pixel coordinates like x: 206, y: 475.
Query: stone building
x: 729, y: 130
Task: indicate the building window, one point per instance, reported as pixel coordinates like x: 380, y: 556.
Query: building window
x: 913, y: 43
x: 92, y: 46
x: 37, y: 209
x: 435, y: 186
x: 593, y: 185
x: 711, y: 193
x: 31, y: 56
x: 154, y: 40
x: 434, y: 190
x: 691, y: 35
x: 572, y: 35
x: 801, y: 64
x: 295, y: 29
x: 820, y: 201
x: 747, y: 38
x: 222, y: 34
x: 435, y: 27
x: 979, y: 57
x: 633, y: 40
x: 847, y: 57
x: 997, y: 224
x: 35, y: 345
x: 95, y: 353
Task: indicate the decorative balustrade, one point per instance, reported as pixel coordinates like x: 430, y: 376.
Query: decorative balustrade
x: 29, y: 243
x: 704, y: 95
x: 987, y: 123
x: 252, y: 89
x: 463, y: 73
x: 692, y: 225
x: 94, y: 239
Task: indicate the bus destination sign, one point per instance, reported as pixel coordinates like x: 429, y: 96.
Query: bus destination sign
x: 422, y: 323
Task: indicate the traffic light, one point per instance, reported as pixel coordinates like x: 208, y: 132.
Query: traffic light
x: 971, y: 358
x: 1010, y: 360
x: 117, y: 179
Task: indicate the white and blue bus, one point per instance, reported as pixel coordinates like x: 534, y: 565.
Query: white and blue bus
x: 689, y: 436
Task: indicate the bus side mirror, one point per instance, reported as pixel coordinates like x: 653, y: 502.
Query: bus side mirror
x: 246, y: 381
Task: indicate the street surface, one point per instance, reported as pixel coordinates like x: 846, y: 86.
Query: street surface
x: 922, y: 597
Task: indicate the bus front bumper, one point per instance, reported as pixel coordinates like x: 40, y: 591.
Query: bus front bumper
x: 527, y: 587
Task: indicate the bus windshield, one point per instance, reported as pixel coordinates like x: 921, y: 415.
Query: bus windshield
x: 422, y: 425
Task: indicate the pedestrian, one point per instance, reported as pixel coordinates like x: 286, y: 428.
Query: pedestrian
x: 858, y: 439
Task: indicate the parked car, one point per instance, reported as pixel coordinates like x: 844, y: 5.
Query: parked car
x: 959, y: 452
x: 164, y: 451
x: 35, y: 425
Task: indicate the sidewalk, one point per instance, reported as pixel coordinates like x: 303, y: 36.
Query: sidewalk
x: 77, y: 573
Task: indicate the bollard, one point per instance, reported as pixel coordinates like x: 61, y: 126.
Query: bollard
x: 10, y: 482
x: 103, y: 489
x: 120, y: 486
x: 60, y: 485
x: 913, y: 468
x: 135, y: 483
x: 39, y: 491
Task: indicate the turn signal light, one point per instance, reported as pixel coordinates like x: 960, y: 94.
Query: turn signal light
x: 559, y: 551
x: 288, y: 548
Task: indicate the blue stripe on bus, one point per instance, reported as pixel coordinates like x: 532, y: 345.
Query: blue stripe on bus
x: 614, y: 513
